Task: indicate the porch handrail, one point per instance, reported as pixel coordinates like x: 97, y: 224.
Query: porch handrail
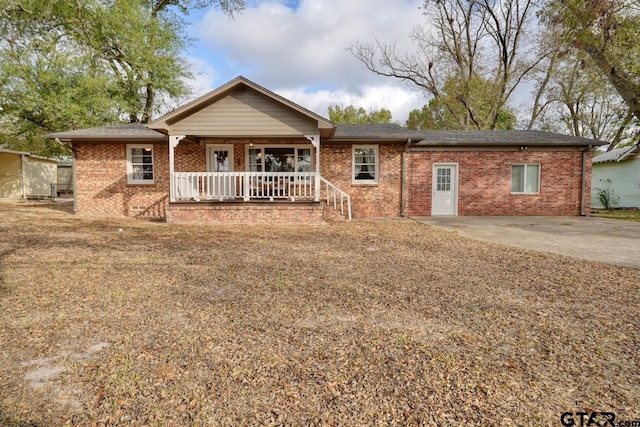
x: 332, y: 192
x: 242, y: 185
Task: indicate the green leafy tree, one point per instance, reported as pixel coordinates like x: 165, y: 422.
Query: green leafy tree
x: 462, y: 105
x: 599, y: 79
x: 607, y: 31
x: 353, y: 115
x: 69, y: 64
x: 583, y: 103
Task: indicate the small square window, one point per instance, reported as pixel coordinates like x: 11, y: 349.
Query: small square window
x: 140, y: 168
x: 525, y: 178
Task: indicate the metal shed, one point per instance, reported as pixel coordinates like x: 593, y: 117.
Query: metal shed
x: 25, y: 175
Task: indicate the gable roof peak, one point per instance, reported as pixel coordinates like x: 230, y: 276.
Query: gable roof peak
x: 161, y: 123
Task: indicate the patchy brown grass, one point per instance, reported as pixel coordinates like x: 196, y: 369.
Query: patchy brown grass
x: 107, y: 322
x: 623, y: 214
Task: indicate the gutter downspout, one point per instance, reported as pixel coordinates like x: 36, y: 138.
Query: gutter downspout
x: 403, y: 200
x: 75, y: 181
x: 583, y: 180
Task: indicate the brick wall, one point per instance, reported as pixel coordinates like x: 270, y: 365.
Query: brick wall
x: 101, y: 170
x: 484, y: 186
x: 102, y: 188
x: 242, y: 213
x: 367, y: 200
x: 484, y: 180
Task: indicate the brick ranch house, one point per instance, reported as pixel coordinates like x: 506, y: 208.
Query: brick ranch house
x: 242, y: 154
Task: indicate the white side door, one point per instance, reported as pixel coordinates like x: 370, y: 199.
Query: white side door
x: 220, y: 159
x: 444, y: 199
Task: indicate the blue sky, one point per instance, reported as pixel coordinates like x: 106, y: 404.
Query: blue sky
x: 298, y: 49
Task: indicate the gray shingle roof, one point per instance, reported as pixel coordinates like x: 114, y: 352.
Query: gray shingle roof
x: 500, y: 138
x: 115, y: 131
x: 617, y: 154
x: 375, y: 131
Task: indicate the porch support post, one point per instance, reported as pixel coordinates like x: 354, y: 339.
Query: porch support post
x: 174, y: 140
x: 315, y: 141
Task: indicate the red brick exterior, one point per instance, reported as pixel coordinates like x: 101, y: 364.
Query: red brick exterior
x: 101, y: 182
x: 367, y: 200
x: 484, y: 186
x: 245, y: 213
x: 484, y: 183
x: 101, y: 174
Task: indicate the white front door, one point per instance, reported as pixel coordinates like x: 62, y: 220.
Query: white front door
x: 445, y: 189
x: 220, y: 159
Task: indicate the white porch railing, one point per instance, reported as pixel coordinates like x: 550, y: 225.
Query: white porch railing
x: 333, y: 194
x: 242, y: 185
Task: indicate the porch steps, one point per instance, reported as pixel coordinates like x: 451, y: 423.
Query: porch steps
x: 329, y: 214
x: 338, y: 202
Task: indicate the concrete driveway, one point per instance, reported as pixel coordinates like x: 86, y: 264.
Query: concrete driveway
x: 595, y: 239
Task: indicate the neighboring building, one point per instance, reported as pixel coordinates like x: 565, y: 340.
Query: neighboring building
x: 65, y: 177
x: 617, y: 172
x: 244, y: 154
x: 24, y: 175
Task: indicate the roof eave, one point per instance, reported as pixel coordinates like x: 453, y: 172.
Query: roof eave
x: 507, y: 144
x: 373, y: 139
x: 123, y: 138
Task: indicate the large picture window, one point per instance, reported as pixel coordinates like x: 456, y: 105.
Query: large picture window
x: 279, y: 159
x: 140, y: 164
x: 365, y: 164
x: 525, y: 178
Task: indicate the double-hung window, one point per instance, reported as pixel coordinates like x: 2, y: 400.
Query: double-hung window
x: 525, y: 178
x: 365, y: 164
x: 140, y: 164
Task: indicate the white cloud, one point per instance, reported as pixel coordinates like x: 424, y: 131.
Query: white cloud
x: 301, y: 52
x: 204, y: 76
x: 396, y: 99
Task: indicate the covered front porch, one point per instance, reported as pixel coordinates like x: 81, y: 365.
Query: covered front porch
x: 243, y: 170
x: 244, y: 144
x: 220, y: 174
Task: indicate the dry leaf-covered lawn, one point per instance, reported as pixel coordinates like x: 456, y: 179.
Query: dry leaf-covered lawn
x: 121, y: 321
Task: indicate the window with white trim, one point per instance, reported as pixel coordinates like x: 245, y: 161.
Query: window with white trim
x: 140, y: 164
x: 365, y: 164
x: 280, y: 158
x: 525, y: 178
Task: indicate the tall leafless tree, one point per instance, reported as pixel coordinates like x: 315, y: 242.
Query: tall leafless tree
x: 471, y: 41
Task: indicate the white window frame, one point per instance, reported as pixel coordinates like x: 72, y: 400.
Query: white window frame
x: 130, y: 178
x: 353, y: 165
x: 247, y: 165
x: 524, y: 182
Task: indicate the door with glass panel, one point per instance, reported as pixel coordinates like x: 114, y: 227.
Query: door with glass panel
x: 445, y: 189
x: 220, y: 159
